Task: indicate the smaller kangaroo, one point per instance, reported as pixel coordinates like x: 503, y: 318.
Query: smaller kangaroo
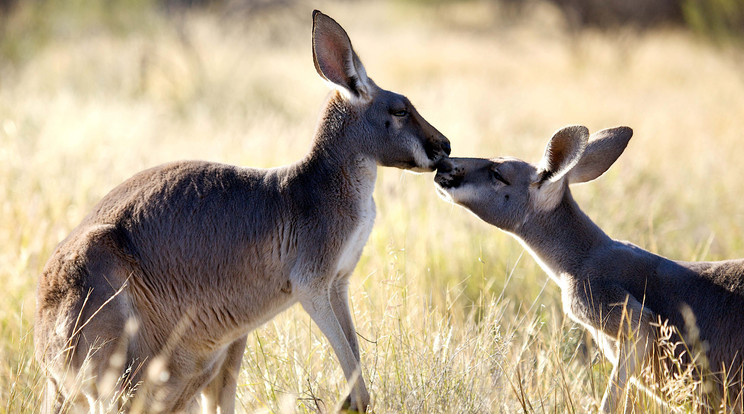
x: 615, y: 289
x: 199, y: 254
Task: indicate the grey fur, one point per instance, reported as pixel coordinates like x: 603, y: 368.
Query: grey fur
x: 617, y: 290
x: 198, y: 254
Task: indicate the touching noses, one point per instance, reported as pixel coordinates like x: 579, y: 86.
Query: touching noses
x: 437, y: 147
x: 446, y: 146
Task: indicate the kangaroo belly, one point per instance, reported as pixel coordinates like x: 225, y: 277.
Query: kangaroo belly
x: 209, y: 306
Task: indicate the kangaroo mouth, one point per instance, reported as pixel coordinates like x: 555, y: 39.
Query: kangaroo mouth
x: 434, y: 163
x: 444, y: 194
x: 433, y: 158
x: 446, y: 181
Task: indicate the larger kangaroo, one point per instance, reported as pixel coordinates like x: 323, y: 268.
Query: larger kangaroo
x: 615, y: 289
x: 198, y: 254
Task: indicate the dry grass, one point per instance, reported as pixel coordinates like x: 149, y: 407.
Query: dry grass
x: 454, y: 316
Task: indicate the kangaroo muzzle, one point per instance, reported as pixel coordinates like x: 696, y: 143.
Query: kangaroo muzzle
x: 448, y: 175
x: 437, y: 149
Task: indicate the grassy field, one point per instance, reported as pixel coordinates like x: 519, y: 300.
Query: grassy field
x: 454, y: 315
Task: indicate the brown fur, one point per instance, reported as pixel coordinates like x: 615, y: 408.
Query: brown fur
x: 617, y: 290
x: 198, y: 254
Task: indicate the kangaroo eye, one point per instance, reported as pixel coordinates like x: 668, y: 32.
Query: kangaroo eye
x: 496, y: 176
x: 400, y: 113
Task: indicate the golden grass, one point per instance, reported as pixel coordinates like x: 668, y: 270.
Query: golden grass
x: 455, y: 317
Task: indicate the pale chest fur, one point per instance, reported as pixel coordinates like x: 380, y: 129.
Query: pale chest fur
x: 354, y: 243
x: 607, y: 344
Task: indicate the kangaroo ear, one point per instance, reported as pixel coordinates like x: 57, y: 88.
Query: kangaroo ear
x: 335, y: 59
x: 562, y: 153
x: 601, y: 152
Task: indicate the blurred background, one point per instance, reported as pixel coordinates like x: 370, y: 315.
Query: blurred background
x: 454, y: 315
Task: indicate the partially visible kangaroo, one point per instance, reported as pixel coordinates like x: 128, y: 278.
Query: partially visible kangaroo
x: 618, y: 291
x: 199, y: 254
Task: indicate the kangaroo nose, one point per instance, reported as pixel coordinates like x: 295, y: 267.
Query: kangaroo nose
x: 448, y: 178
x: 444, y: 165
x: 446, y: 147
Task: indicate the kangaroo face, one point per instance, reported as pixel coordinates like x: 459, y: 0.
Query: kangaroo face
x: 506, y: 192
x: 385, y: 124
x: 402, y: 137
x: 496, y: 190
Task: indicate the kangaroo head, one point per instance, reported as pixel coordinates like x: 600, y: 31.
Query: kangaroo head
x: 505, y: 192
x: 384, y: 125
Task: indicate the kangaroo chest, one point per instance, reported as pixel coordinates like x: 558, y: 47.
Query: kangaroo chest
x: 354, y: 242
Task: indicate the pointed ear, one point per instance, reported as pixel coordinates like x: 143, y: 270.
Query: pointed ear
x: 562, y: 153
x: 335, y: 59
x: 602, y: 151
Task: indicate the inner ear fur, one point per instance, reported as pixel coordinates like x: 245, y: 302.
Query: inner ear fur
x: 602, y: 151
x: 334, y: 56
x: 563, y: 152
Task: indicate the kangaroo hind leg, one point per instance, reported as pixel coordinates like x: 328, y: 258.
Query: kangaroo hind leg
x: 82, y: 313
x: 219, y: 394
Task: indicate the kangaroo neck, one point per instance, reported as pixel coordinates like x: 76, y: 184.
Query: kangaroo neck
x: 562, y: 239
x: 337, y: 158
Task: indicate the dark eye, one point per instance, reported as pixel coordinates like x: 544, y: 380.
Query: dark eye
x: 496, y: 176
x: 399, y: 113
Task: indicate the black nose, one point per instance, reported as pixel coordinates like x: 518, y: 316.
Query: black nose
x: 435, y: 147
x: 449, y: 178
x: 444, y: 165
x: 446, y: 147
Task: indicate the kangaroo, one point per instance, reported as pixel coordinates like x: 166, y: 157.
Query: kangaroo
x: 198, y: 254
x: 619, y: 292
